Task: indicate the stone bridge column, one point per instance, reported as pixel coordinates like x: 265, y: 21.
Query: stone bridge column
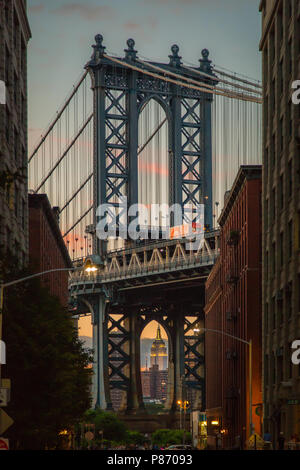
x: 100, y: 383
x: 134, y: 395
x: 176, y: 359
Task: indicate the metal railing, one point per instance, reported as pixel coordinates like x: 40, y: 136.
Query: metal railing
x: 180, y: 263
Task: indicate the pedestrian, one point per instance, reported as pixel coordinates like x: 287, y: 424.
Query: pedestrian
x: 281, y: 441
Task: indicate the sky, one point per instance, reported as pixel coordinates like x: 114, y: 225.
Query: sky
x: 63, y: 32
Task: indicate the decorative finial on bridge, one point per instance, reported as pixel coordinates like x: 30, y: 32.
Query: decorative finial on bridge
x: 205, y: 63
x: 130, y: 52
x: 98, y: 48
x: 175, y: 58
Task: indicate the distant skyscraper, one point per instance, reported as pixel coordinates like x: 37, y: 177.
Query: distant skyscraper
x: 159, y: 355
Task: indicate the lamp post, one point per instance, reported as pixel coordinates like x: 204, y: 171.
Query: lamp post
x: 249, y: 343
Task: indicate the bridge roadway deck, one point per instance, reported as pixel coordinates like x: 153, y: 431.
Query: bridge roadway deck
x: 151, y: 265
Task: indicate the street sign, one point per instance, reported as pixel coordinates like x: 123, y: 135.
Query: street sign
x: 255, y: 441
x: 4, y: 396
x: 5, y: 421
x: 4, y: 444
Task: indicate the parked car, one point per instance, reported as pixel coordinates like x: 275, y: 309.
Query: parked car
x: 179, y: 447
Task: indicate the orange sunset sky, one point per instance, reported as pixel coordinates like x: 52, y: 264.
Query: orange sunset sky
x: 85, y: 328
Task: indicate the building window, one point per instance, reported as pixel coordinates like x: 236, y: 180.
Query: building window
x: 16, y: 29
x: 7, y: 126
x: 272, y: 152
x: 266, y: 317
x: 280, y: 310
x: 16, y: 88
x: 7, y: 64
x: 290, y: 178
x: 279, y: 369
x: 290, y: 238
x: 17, y: 193
x: 273, y: 313
x: 290, y: 371
x: 280, y: 135
x: 281, y: 249
x: 273, y: 260
x: 16, y: 146
x: 288, y: 300
x: 280, y: 195
x: 266, y: 369
x: 272, y: 369
x: 273, y: 202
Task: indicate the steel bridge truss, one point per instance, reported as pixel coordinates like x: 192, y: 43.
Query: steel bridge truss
x: 120, y: 95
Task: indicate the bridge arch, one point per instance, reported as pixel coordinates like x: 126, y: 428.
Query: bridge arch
x: 154, y: 174
x: 149, y: 379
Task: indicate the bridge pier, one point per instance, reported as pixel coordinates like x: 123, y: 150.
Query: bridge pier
x: 100, y: 383
x: 134, y: 396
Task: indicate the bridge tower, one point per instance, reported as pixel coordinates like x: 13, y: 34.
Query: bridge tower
x: 123, y: 303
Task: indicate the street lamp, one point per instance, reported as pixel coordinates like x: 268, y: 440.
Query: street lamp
x: 249, y: 343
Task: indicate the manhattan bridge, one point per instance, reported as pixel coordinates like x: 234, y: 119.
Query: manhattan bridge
x: 155, y: 133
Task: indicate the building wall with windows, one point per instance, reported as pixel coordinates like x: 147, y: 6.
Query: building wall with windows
x: 280, y: 47
x: 233, y: 306
x: 46, y: 246
x: 14, y: 36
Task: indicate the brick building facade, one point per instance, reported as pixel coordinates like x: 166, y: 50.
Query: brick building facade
x: 233, y: 306
x: 280, y: 47
x: 14, y: 36
x: 46, y: 246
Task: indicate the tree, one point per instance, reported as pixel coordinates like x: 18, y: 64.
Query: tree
x: 113, y: 428
x: 46, y: 363
x: 164, y: 437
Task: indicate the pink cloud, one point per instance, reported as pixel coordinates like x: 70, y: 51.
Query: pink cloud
x: 148, y: 167
x: 87, y: 12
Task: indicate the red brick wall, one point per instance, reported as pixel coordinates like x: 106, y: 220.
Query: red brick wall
x: 227, y: 376
x: 45, y: 253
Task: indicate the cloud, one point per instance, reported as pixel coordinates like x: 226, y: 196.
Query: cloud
x: 132, y: 26
x: 36, y: 8
x: 87, y: 12
x: 148, y: 23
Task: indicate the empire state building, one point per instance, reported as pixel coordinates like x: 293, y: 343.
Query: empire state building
x: 158, y: 355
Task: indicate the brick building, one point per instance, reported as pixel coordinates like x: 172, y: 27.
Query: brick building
x: 46, y: 246
x: 233, y: 306
x: 280, y: 46
x: 14, y: 36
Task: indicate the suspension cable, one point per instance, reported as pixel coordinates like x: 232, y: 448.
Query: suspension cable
x: 180, y: 83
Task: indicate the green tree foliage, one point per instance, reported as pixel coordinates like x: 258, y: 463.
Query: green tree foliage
x: 164, y: 437
x: 154, y: 408
x: 135, y: 438
x: 113, y: 428
x: 46, y: 363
